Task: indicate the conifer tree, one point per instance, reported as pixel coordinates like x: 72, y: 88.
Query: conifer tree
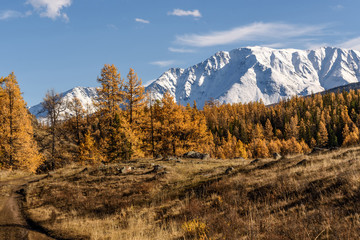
x: 110, y: 95
x: 110, y: 116
x: 89, y: 153
x: 350, y: 138
x: 168, y: 125
x: 322, y: 135
x: 17, y: 146
x: 268, y: 130
x: 133, y: 95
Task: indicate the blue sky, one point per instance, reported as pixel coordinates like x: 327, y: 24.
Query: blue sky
x: 61, y: 44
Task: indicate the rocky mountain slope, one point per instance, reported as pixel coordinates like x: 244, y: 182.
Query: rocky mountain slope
x: 254, y: 73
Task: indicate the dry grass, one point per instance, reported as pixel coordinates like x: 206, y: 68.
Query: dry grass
x: 6, y: 175
x: 314, y: 196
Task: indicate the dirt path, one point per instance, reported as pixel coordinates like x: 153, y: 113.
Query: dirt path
x: 13, y: 225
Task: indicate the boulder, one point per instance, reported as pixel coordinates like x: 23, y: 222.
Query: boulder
x: 193, y: 154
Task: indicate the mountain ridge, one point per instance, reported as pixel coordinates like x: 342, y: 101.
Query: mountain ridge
x: 246, y: 75
x: 254, y: 73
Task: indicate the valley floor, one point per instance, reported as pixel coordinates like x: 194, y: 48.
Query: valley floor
x: 314, y: 196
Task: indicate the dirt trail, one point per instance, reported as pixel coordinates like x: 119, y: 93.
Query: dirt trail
x: 13, y: 225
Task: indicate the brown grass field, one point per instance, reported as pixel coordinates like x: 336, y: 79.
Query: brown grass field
x: 314, y: 196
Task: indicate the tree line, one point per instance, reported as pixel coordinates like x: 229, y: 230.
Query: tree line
x: 128, y: 123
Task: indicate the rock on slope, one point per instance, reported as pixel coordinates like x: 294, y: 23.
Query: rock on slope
x: 254, y: 73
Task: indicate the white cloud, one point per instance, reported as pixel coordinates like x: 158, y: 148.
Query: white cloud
x: 180, y: 50
x: 163, y: 63
x: 13, y: 14
x: 351, y: 44
x: 180, y: 12
x: 253, y: 32
x: 141, y: 20
x: 51, y: 8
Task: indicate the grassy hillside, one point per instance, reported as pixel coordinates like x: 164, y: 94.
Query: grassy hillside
x: 315, y: 196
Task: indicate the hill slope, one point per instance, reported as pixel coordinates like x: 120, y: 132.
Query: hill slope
x: 314, y: 196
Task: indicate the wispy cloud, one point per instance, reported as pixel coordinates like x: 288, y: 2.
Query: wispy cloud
x: 351, y: 44
x: 51, y: 8
x: 180, y: 12
x: 163, y: 63
x: 140, y: 20
x: 337, y: 7
x: 181, y: 50
x: 8, y: 14
x: 253, y: 32
x: 112, y: 27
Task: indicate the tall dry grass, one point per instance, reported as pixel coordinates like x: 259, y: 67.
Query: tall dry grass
x: 315, y: 196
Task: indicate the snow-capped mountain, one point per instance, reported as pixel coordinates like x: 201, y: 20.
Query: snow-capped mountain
x: 254, y: 73
x: 245, y: 75
x: 86, y: 95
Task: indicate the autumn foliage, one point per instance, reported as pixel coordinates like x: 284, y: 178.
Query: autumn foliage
x: 18, y: 150
x: 130, y: 123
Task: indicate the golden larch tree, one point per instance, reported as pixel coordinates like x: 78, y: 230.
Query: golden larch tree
x: 89, y: 153
x: 134, y: 94
x: 110, y: 94
x: 18, y: 150
x: 134, y: 103
x: 322, y: 135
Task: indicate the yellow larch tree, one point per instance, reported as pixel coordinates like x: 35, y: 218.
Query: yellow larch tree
x: 134, y: 102
x: 134, y: 94
x: 18, y: 150
x: 197, y: 136
x: 89, y: 153
x: 269, y: 132
x: 168, y: 126
x: 322, y: 135
x: 110, y: 116
x: 110, y: 95
x: 350, y: 137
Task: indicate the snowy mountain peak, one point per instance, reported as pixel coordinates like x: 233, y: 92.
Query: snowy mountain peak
x: 86, y: 95
x: 246, y: 74
x: 253, y: 73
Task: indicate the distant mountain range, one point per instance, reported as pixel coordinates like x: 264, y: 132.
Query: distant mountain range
x: 250, y: 74
x: 254, y: 73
